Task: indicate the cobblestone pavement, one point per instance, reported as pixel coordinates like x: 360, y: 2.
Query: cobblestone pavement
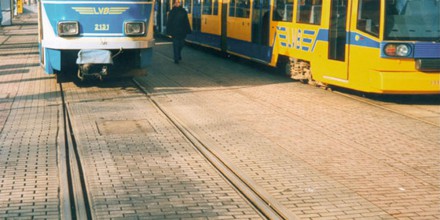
x: 29, y: 121
x: 323, y: 155
x: 137, y: 165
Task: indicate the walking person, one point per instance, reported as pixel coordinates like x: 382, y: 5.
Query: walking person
x: 178, y: 27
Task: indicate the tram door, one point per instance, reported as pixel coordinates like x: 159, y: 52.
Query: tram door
x: 196, y: 16
x: 161, y: 14
x: 260, y: 22
x: 239, y: 20
x: 187, y: 5
x: 337, y: 50
x: 210, y: 22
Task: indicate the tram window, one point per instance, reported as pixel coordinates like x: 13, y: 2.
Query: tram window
x: 187, y: 6
x: 338, y: 30
x: 412, y: 20
x: 309, y: 11
x: 261, y: 27
x: 283, y: 10
x: 243, y: 9
x: 232, y: 8
x: 207, y: 7
x: 239, y: 8
x: 196, y: 15
x: 197, y: 7
x: 369, y: 17
x: 215, y: 12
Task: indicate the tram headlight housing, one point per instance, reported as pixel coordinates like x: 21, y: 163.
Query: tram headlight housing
x: 68, y: 28
x: 403, y: 50
x: 397, y: 50
x: 134, y: 28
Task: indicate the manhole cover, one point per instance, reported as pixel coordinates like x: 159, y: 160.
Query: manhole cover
x: 117, y: 127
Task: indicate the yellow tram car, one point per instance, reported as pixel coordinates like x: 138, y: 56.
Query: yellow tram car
x: 374, y: 46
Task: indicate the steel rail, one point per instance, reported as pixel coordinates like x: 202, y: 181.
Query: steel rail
x: 268, y: 206
x: 72, y: 176
x: 376, y: 104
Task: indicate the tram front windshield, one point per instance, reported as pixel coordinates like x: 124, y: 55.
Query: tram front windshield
x: 412, y: 20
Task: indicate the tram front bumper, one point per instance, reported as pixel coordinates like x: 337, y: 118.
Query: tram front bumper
x: 406, y: 82
x: 93, y: 63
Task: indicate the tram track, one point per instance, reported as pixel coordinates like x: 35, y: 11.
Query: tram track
x: 391, y: 106
x: 268, y: 206
x: 406, y: 106
x: 74, y: 190
x: 377, y: 108
x: 78, y: 207
x: 75, y: 204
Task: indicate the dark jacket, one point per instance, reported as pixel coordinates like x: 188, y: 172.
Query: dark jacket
x: 178, y: 23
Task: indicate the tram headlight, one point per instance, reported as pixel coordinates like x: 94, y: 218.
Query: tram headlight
x: 68, y: 28
x: 134, y: 28
x: 397, y: 50
x: 403, y: 50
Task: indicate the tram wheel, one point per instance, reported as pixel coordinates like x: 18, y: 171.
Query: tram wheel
x: 284, y: 66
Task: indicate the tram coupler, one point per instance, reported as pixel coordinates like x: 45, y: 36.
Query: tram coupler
x: 93, y: 63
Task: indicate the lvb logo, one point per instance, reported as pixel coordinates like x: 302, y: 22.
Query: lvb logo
x: 100, y: 10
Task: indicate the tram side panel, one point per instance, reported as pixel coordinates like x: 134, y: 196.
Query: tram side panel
x: 364, y: 45
x: 402, y: 38
x: 205, y: 20
x: 115, y: 35
x: 239, y: 27
x: 249, y: 28
x: 352, y: 47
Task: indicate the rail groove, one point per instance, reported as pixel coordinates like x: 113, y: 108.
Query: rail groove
x: 268, y: 206
x: 77, y: 206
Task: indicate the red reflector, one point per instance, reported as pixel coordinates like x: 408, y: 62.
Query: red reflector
x: 390, y: 50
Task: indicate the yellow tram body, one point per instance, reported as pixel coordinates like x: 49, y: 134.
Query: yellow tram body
x: 365, y: 45
x: 364, y: 70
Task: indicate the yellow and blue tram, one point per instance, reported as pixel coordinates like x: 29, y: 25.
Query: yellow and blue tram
x: 375, y: 46
x: 100, y: 38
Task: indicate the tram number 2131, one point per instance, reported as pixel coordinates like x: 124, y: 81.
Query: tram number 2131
x: 102, y: 27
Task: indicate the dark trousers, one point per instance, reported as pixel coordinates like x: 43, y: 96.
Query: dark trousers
x: 178, y: 44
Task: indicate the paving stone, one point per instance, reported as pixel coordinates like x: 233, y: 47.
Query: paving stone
x: 321, y: 155
x: 28, y: 131
x: 307, y: 147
